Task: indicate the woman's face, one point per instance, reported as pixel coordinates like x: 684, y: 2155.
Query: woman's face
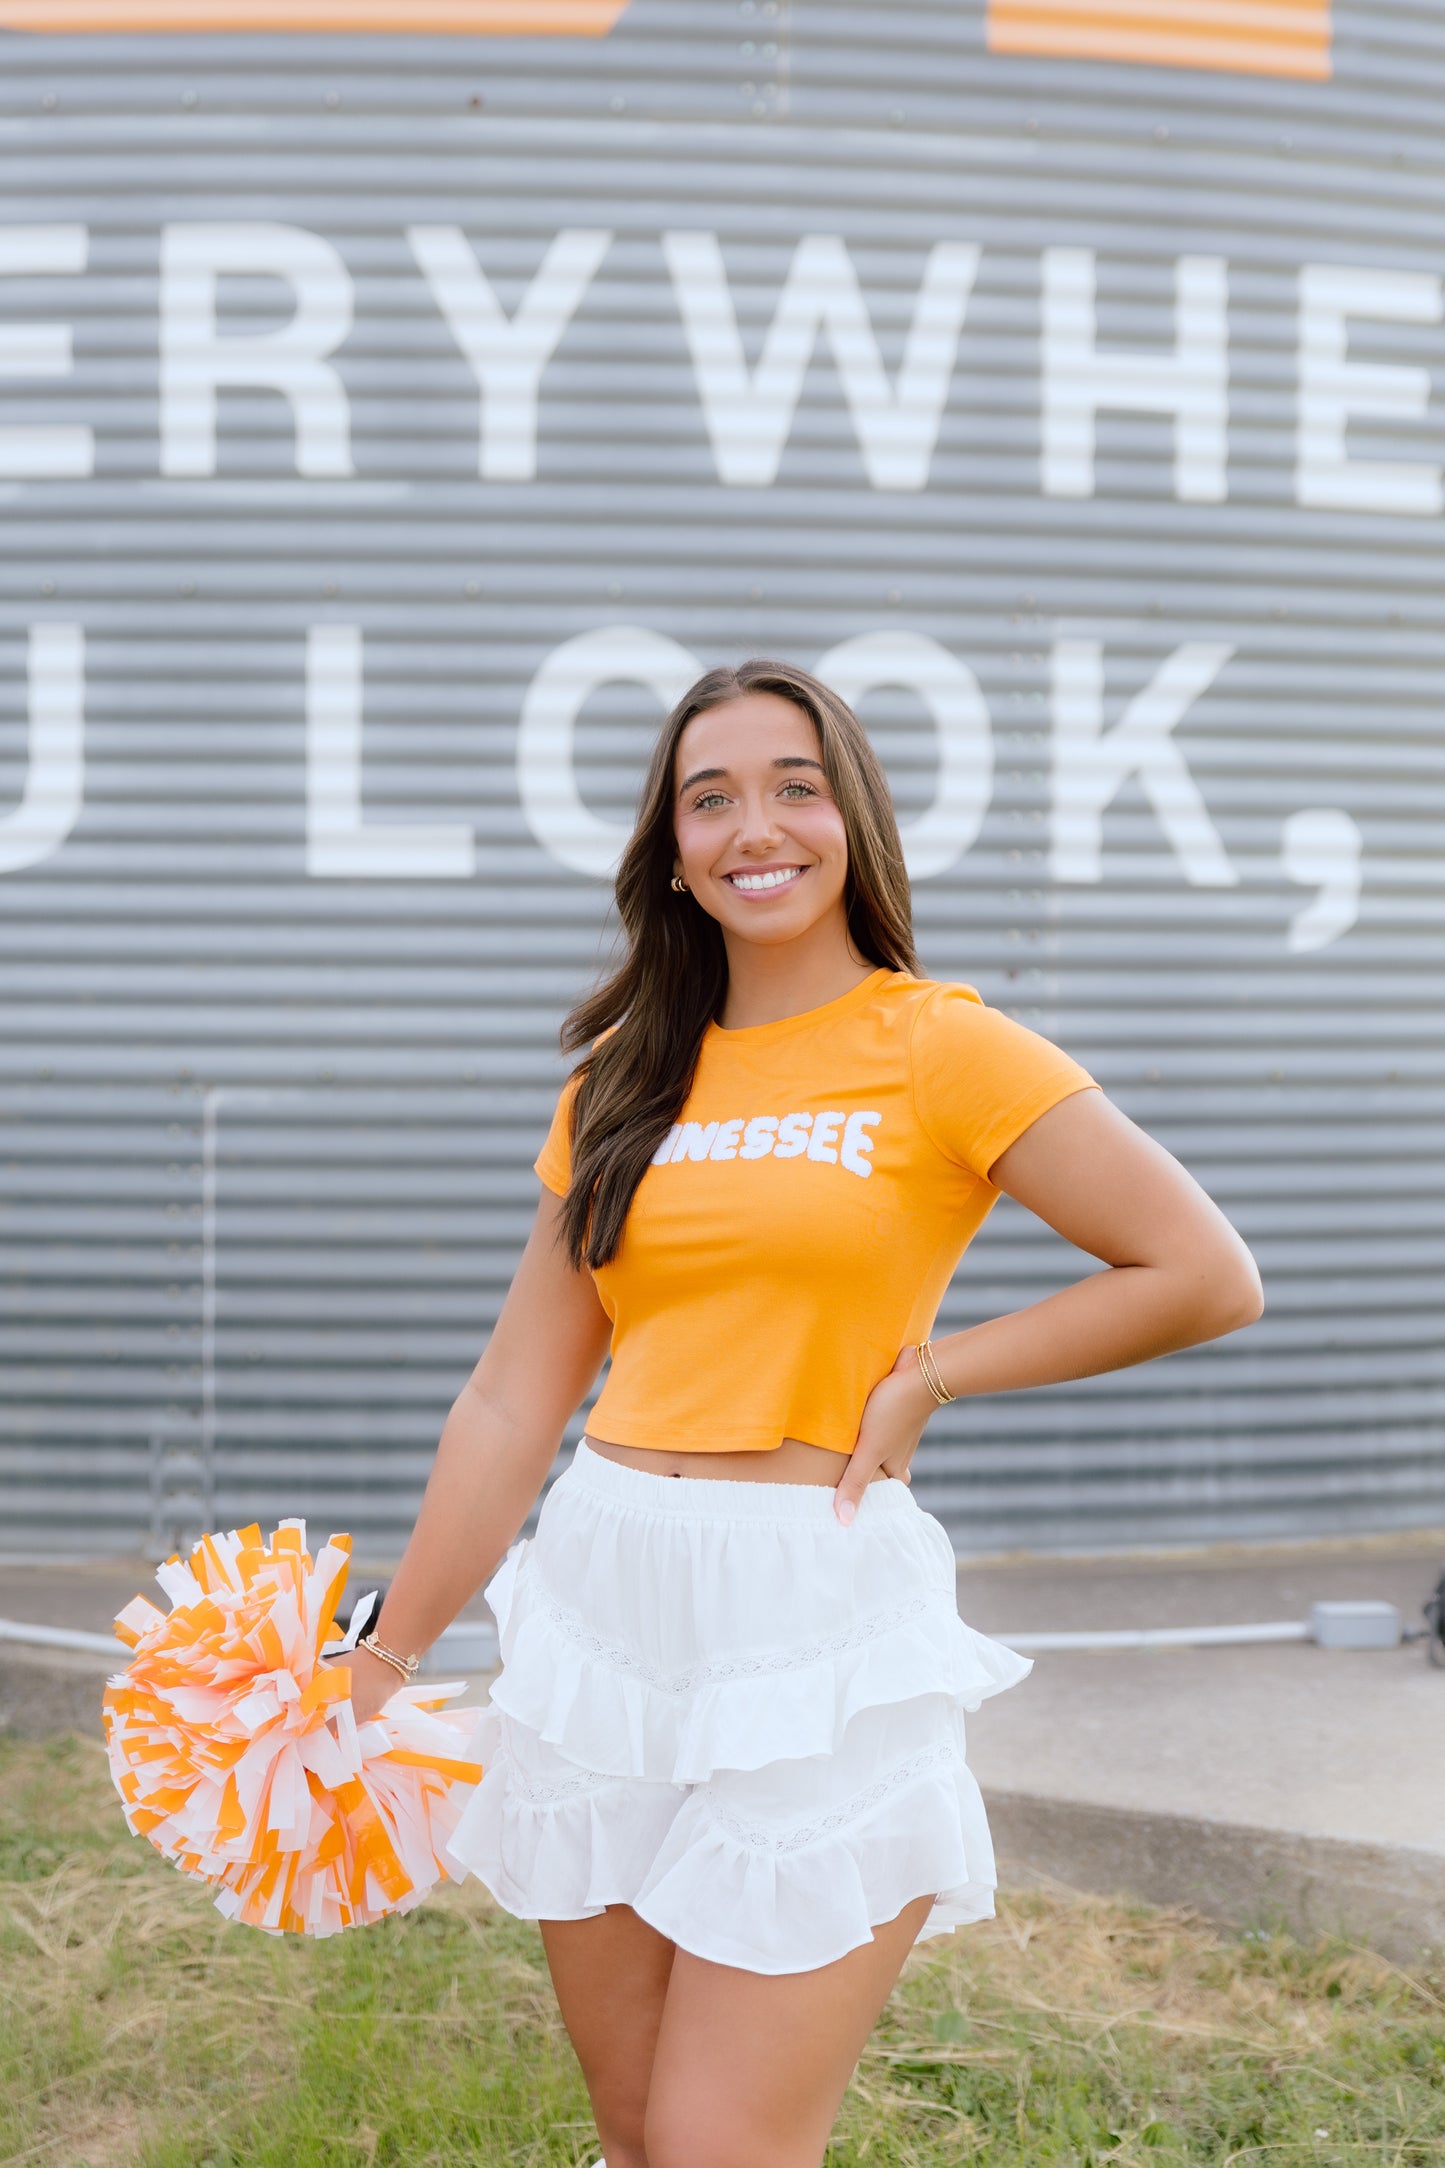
x: 760, y: 839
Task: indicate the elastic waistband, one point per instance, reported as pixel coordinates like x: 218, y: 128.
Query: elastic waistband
x: 702, y: 1497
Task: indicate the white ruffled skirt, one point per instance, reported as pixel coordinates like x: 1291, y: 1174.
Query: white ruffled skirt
x: 723, y: 1708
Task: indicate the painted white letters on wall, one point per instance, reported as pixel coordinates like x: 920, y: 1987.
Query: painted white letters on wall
x: 198, y: 359
x: 55, y: 774
x: 30, y: 450
x: 1079, y: 378
x: 1091, y: 764
x: 546, y: 776
x: 950, y: 692
x: 340, y: 844
x: 749, y: 414
x: 507, y: 354
x: 1332, y: 389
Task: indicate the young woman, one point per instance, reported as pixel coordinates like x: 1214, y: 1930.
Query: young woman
x: 724, y: 1760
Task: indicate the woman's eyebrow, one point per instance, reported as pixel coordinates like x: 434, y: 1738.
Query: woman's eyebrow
x: 713, y: 775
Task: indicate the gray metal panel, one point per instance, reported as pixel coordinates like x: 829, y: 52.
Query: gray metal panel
x: 374, y: 1061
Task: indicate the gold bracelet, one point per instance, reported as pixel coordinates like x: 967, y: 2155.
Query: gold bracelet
x: 932, y: 1375
x: 406, y: 1665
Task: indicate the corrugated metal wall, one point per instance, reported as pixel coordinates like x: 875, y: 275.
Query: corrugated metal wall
x: 266, y: 1122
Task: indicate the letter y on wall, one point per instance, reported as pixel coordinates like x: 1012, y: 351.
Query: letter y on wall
x: 508, y: 354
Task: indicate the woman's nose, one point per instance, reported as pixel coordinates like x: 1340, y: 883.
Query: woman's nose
x: 757, y: 824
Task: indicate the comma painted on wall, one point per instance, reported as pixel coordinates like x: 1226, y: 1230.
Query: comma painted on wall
x: 1256, y: 37
x: 459, y: 18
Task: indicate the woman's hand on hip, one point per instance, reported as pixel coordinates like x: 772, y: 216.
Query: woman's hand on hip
x: 893, y: 1418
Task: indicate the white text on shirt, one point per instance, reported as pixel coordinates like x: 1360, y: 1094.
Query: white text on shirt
x: 832, y: 1138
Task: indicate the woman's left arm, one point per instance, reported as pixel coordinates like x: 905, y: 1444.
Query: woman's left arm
x: 1178, y: 1274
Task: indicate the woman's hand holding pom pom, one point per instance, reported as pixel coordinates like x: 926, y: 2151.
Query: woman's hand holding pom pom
x: 314, y: 1793
x: 372, y: 1682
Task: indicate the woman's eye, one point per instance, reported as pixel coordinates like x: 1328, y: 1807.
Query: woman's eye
x: 803, y: 790
x: 708, y: 799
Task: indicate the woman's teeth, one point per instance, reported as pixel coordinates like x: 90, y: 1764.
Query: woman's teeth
x: 754, y: 881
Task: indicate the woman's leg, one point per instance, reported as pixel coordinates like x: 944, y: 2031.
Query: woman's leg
x: 611, y: 1976
x: 750, y: 2068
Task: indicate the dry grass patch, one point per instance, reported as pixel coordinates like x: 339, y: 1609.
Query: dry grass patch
x: 1078, y: 2030
x: 141, y: 2031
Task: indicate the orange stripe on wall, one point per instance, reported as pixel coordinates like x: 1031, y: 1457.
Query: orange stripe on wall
x: 1284, y: 37
x: 462, y: 18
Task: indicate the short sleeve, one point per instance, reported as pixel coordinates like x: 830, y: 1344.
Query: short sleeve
x: 980, y: 1079
x: 554, y: 1162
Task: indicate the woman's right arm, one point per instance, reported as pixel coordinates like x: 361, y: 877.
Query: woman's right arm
x: 496, y: 1447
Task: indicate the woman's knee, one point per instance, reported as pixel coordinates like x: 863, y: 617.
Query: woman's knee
x: 620, y: 2115
x: 674, y: 2143
x: 681, y: 2134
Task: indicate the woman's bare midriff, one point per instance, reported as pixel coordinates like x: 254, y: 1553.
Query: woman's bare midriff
x: 791, y: 1462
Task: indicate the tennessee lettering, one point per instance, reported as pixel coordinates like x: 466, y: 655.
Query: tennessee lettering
x: 833, y: 1139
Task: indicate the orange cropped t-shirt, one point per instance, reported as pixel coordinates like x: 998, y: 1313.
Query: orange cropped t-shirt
x: 800, y: 1222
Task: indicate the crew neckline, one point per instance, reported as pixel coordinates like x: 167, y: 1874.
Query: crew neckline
x: 756, y: 1034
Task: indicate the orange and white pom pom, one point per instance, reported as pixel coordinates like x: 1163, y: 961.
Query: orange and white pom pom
x: 235, y: 1751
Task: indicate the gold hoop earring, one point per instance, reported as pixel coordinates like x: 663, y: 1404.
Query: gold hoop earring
x: 679, y: 885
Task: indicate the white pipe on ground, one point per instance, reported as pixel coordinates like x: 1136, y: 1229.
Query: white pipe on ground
x: 1158, y: 1637
x: 470, y: 1644
x: 61, y: 1637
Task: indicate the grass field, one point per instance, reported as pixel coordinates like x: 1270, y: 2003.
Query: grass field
x: 138, y: 2028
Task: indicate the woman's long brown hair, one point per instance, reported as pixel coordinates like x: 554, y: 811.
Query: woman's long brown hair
x: 656, y: 1007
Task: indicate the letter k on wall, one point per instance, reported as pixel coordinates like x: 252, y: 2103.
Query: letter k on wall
x: 455, y: 18
x: 1256, y: 37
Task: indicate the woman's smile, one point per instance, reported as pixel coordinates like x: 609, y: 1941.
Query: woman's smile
x: 764, y: 880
